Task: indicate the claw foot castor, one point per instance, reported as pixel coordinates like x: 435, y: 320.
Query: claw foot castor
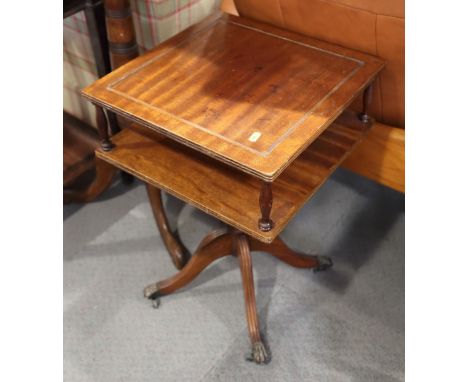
x: 151, y: 292
x: 155, y: 302
x: 259, y: 354
x: 324, y: 263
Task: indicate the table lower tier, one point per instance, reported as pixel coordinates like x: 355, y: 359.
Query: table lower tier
x: 224, y: 192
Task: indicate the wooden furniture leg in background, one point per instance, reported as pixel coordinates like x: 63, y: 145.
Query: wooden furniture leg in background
x: 120, y: 32
x: 104, y: 175
x: 94, y: 13
x: 95, y: 19
x: 78, y: 148
x: 117, y: 39
x: 220, y: 243
x: 122, y: 49
x: 179, y: 254
x: 104, y: 171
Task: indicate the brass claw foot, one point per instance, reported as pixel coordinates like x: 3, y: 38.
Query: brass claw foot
x: 156, y: 302
x: 151, y: 292
x: 324, y: 263
x: 259, y: 354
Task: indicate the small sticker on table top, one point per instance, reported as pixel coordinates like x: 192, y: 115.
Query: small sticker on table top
x: 254, y: 136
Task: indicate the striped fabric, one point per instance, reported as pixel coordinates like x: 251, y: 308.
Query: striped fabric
x: 155, y: 21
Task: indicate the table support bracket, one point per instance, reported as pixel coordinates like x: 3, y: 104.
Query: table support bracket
x: 366, y: 100
x: 265, y: 223
x: 103, y: 129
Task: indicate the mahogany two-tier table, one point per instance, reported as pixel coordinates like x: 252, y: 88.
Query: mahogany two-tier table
x: 242, y: 120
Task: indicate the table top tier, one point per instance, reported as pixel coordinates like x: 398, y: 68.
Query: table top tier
x: 248, y: 94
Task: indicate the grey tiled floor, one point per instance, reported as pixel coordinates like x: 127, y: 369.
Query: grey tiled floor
x: 346, y: 324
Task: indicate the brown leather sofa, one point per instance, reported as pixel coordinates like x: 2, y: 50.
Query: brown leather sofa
x: 372, y: 26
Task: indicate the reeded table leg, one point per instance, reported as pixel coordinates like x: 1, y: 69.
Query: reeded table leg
x: 259, y: 353
x: 179, y: 254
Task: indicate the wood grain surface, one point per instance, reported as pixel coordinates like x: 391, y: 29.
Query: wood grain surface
x: 224, y: 192
x: 120, y: 32
x: 248, y: 94
x: 245, y: 264
x: 381, y: 156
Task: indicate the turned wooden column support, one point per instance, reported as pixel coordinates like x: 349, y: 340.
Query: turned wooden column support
x: 242, y: 250
x: 103, y: 129
x: 266, y: 203
x: 366, y: 100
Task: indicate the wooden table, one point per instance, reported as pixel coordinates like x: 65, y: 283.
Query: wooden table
x: 242, y: 120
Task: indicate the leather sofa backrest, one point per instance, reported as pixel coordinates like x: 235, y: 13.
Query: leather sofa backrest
x: 372, y: 26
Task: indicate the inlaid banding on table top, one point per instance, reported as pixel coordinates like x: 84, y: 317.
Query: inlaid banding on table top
x: 248, y: 94
x: 271, y: 123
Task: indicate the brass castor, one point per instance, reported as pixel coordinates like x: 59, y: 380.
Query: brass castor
x: 259, y: 354
x: 324, y: 263
x: 151, y: 292
x: 155, y: 302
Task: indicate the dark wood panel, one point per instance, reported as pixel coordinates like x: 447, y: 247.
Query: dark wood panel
x: 79, y: 142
